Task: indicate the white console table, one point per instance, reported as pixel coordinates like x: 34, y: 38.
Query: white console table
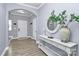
x: 70, y: 48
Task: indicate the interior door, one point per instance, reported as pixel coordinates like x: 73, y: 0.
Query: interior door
x: 22, y: 28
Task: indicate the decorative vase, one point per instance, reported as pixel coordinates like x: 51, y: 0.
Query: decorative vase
x: 64, y: 34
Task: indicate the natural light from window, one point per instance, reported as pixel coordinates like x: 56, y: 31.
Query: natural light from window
x: 10, y: 25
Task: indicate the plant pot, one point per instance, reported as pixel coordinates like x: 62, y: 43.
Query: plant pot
x: 64, y: 34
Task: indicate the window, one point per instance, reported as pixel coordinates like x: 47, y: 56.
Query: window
x: 10, y: 25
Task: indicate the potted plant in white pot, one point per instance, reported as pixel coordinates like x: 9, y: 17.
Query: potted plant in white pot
x: 64, y: 30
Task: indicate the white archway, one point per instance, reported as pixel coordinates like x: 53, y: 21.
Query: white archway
x: 10, y: 7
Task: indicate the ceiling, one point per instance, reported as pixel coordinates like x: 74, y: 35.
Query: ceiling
x: 33, y: 5
x: 26, y: 13
x: 22, y: 12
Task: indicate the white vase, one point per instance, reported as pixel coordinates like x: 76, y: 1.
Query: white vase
x: 64, y: 34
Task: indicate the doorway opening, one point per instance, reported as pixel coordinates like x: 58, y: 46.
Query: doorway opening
x: 22, y: 23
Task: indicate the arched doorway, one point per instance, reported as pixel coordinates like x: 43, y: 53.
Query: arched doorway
x: 10, y: 7
x: 22, y: 23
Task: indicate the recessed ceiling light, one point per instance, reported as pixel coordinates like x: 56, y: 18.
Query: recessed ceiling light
x: 20, y: 11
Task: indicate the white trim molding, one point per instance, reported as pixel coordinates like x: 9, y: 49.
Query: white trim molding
x: 31, y: 6
x: 3, y: 53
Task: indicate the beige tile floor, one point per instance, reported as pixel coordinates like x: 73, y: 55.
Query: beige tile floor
x: 25, y: 47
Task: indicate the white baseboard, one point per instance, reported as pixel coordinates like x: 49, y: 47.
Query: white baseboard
x: 3, y: 53
x: 21, y: 37
x: 31, y: 37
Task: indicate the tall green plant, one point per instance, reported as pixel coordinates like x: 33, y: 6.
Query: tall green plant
x: 73, y: 17
x: 62, y: 16
x: 53, y: 17
x: 56, y: 18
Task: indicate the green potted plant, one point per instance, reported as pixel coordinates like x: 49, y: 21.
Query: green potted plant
x: 61, y: 19
x: 54, y: 18
x: 73, y: 17
x: 64, y: 30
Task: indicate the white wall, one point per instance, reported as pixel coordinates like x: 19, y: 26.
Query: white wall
x: 34, y: 28
x: 18, y: 17
x: 2, y: 28
x: 45, y: 12
x: 13, y: 32
x: 30, y: 27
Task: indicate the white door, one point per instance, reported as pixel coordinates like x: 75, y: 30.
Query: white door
x: 22, y: 28
x: 34, y: 28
